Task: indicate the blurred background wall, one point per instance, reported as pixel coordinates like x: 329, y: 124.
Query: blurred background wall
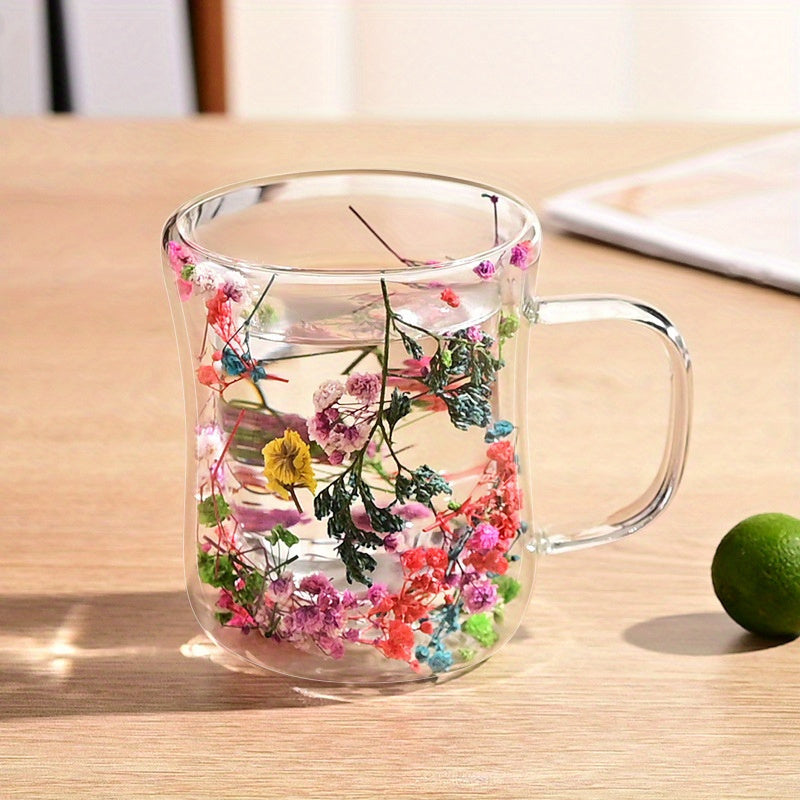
x: 440, y: 59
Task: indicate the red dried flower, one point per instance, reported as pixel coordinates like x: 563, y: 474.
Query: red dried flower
x: 451, y: 298
x: 415, y: 559
x: 219, y: 310
x: 436, y: 557
x: 207, y: 375
x: 502, y: 452
x: 399, y: 641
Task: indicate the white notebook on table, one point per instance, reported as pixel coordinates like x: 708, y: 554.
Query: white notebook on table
x: 735, y: 211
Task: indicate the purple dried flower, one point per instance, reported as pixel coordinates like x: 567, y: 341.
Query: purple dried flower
x: 479, y: 596
x: 281, y: 589
x: 521, y: 255
x: 485, y: 270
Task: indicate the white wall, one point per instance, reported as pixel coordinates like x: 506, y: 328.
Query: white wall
x: 24, y: 63
x: 485, y: 59
x: 129, y: 57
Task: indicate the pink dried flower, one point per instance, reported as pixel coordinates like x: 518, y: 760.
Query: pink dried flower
x: 327, y: 394
x: 479, y: 596
x: 484, y: 537
x: 377, y: 592
x: 314, y: 584
x: 364, y: 386
x: 185, y: 289
x: 179, y: 256
x: 331, y: 646
x: 361, y: 518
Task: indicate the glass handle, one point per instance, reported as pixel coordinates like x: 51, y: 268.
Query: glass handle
x: 557, y: 310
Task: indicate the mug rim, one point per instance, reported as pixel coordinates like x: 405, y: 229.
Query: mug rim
x: 179, y: 227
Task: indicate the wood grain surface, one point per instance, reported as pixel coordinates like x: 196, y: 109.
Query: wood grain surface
x: 626, y: 679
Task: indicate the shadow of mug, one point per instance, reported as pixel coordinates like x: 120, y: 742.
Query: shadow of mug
x: 124, y: 653
x: 139, y: 653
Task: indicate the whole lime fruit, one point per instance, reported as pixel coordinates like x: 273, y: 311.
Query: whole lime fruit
x: 756, y: 574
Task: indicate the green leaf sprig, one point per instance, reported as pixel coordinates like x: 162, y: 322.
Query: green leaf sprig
x: 336, y: 500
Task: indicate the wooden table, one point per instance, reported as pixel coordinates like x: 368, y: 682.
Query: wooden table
x: 627, y: 680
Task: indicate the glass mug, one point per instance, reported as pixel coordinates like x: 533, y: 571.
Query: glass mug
x: 354, y: 347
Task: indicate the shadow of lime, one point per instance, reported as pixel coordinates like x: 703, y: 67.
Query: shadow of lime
x: 701, y: 634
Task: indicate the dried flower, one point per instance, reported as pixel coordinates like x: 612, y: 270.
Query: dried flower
x: 484, y: 537
x: 499, y: 429
x: 205, y: 276
x: 485, y: 270
x: 399, y: 641
x: 377, y: 593
x: 315, y: 583
x: 255, y: 518
x: 287, y: 464
x: 522, y: 255
x: 479, y: 596
x: 480, y: 627
x: 441, y: 660
x: 509, y: 325
x: 207, y: 375
x: 327, y: 394
x: 474, y: 334
x: 451, y: 298
x: 365, y: 387
x: 209, y: 442
x: 281, y: 589
x: 232, y: 362
x: 179, y: 256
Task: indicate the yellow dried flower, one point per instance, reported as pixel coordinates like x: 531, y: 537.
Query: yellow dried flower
x: 287, y: 464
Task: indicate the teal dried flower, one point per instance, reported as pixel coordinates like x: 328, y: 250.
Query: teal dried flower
x: 441, y: 660
x: 500, y: 429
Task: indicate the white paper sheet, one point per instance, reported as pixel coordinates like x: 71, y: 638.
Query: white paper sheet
x: 735, y: 211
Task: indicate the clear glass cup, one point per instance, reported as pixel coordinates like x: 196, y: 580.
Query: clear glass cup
x: 354, y: 347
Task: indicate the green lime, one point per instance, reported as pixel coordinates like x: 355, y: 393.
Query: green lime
x: 756, y: 574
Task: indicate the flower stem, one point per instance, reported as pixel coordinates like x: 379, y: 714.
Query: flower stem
x: 494, y: 199
x: 357, y: 360
x: 372, y: 230
x: 293, y: 495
